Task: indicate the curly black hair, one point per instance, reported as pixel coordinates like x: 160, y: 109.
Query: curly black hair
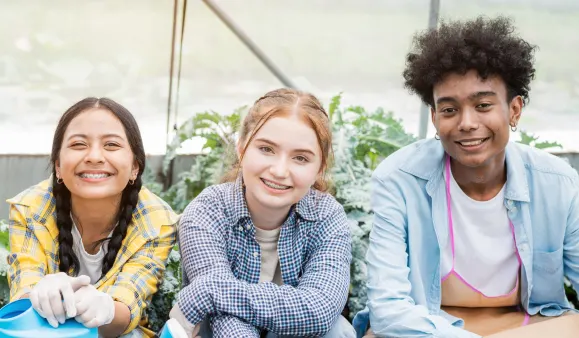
x: 489, y: 46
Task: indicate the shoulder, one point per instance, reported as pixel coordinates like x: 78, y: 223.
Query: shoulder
x: 216, y: 207
x: 540, y: 162
x: 152, y: 215
x: 420, y: 159
x: 319, y: 206
x: 38, y: 200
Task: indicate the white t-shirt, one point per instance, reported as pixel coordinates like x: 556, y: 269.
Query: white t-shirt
x: 270, y: 270
x: 484, y: 243
x: 90, y: 265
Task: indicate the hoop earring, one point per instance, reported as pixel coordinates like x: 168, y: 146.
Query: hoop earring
x: 436, y: 137
x: 131, y: 182
x: 514, y: 128
x: 59, y: 180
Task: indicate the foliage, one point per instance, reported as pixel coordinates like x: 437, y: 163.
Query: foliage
x: 362, y: 139
x: 218, y: 133
x: 532, y: 140
x: 4, y: 245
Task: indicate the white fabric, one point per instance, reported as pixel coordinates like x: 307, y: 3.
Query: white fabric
x: 52, y: 286
x: 90, y: 265
x: 484, y: 245
x: 177, y: 317
x: 94, y: 308
x: 270, y: 270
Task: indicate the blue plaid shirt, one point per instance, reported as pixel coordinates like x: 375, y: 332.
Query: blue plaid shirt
x: 221, y: 261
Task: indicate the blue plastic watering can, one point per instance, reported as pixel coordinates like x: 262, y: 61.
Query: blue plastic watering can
x: 19, y: 320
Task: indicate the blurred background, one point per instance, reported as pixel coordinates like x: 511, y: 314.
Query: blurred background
x: 54, y: 53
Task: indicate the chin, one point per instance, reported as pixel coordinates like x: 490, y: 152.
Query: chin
x: 474, y: 161
x: 271, y: 202
x: 96, y: 194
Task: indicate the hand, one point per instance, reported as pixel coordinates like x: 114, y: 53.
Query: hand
x: 190, y: 329
x: 52, y: 292
x: 93, y: 307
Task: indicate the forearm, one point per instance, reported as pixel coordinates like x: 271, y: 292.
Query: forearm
x: 119, y: 324
x: 265, y: 305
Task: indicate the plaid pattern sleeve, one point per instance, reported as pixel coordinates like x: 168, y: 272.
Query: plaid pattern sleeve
x: 225, y: 326
x: 145, y: 263
x: 305, y: 305
x: 27, y: 258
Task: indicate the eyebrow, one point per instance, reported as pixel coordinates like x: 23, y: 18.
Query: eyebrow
x: 275, y: 145
x: 102, y: 136
x: 471, y: 97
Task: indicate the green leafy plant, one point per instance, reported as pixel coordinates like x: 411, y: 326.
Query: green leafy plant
x: 218, y: 133
x: 362, y: 139
x: 533, y: 140
x: 4, y: 249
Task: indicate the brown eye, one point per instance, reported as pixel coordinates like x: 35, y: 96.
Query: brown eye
x: 266, y: 149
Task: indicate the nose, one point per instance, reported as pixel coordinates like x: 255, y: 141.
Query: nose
x: 279, y: 168
x: 94, y: 155
x: 468, y: 120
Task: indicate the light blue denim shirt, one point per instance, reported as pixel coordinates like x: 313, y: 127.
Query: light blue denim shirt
x: 411, y: 226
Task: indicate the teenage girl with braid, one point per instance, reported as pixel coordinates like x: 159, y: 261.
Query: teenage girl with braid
x: 91, y: 242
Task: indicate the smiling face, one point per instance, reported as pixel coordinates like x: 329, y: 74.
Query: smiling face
x: 280, y: 163
x: 472, y: 117
x: 95, y: 159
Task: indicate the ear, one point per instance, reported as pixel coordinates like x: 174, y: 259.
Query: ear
x: 135, y: 170
x: 239, y: 149
x: 515, y: 110
x: 57, y: 168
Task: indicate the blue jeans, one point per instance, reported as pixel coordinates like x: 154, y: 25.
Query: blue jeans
x: 340, y: 329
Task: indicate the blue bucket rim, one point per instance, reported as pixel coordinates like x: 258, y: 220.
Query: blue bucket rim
x: 23, y: 305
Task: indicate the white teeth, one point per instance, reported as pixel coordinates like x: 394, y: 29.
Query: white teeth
x: 94, y: 176
x: 472, y: 143
x: 275, y: 186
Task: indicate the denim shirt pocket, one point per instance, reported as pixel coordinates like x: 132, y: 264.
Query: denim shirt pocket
x: 548, y: 277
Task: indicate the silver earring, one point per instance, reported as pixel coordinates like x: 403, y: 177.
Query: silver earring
x: 513, y: 128
x: 436, y: 137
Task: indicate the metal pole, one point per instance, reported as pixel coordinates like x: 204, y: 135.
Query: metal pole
x: 424, y: 109
x: 250, y: 44
x: 171, y: 65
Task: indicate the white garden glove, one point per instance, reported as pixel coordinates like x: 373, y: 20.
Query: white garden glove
x: 93, y: 307
x: 192, y: 330
x: 54, y: 294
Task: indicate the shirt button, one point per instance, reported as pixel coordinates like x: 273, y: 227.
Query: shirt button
x: 248, y: 227
x: 255, y: 254
x: 240, y: 228
x: 524, y: 247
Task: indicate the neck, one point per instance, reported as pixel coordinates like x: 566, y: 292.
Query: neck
x: 95, y: 217
x: 481, y: 183
x: 266, y: 218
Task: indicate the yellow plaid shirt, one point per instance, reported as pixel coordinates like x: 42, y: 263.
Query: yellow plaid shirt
x: 139, y: 266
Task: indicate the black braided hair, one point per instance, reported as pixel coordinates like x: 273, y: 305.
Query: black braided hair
x: 130, y: 195
x: 65, y: 253
x: 129, y: 202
